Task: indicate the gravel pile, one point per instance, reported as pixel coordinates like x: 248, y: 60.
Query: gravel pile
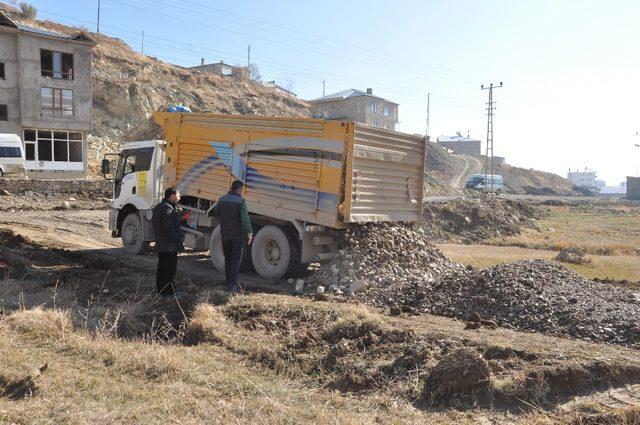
x: 396, y: 267
x: 476, y: 219
x: 539, y: 296
x: 382, y: 259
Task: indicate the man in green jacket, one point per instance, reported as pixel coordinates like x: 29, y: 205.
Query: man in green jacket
x: 235, y: 228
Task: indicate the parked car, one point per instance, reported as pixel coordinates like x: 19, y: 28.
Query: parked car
x: 486, y: 183
x: 11, y: 155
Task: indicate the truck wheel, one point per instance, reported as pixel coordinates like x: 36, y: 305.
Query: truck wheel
x: 275, y: 252
x: 217, y: 256
x: 215, y: 249
x: 132, y: 238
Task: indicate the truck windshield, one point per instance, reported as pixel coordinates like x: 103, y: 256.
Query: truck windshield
x: 134, y: 160
x: 475, y: 180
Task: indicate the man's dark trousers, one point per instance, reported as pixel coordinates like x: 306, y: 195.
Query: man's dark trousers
x: 167, y: 265
x: 232, y: 250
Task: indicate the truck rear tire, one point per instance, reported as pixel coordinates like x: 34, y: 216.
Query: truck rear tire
x: 275, y: 252
x: 132, y: 237
x: 217, y: 256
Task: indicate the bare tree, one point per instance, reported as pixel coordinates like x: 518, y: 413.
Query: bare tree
x: 288, y: 83
x: 28, y: 11
x: 254, y: 72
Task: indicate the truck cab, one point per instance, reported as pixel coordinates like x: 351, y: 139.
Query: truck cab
x: 137, y: 188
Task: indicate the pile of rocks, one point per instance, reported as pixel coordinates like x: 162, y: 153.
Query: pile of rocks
x: 396, y: 267
x: 382, y: 259
x: 473, y: 220
x: 539, y: 296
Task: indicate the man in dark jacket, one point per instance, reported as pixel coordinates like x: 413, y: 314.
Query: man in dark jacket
x: 166, y: 226
x: 235, y: 228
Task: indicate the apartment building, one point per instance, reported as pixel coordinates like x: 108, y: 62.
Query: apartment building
x: 45, y: 96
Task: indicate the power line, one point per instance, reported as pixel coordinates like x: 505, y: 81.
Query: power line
x: 373, y: 53
x: 253, y: 36
x: 317, y: 74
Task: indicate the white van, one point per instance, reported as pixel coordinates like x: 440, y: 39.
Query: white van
x: 486, y: 183
x: 11, y: 155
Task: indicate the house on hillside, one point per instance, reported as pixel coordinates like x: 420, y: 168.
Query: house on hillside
x: 460, y: 144
x: 45, y: 96
x: 280, y: 89
x: 356, y: 105
x: 220, y: 68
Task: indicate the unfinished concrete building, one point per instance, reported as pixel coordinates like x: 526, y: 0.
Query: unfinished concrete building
x: 358, y: 106
x: 45, y: 96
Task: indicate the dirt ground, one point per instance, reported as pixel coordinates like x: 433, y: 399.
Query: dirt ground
x: 77, y: 312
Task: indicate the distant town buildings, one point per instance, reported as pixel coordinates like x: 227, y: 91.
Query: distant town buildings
x: 220, y: 68
x: 356, y: 105
x: 585, y: 178
x: 45, y: 96
x: 461, y: 144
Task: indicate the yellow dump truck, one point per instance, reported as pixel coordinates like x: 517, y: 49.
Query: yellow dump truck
x: 305, y: 180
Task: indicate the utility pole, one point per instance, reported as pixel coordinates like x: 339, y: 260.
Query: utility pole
x: 489, y: 147
x: 98, y: 24
x: 143, y: 42
x: 324, y: 87
x: 428, y: 102
x: 249, y: 55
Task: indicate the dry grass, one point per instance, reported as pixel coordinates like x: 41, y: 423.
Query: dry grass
x: 599, y: 229
x: 94, y: 377
x: 620, y: 267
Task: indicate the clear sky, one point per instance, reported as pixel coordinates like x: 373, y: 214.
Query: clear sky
x: 571, y: 68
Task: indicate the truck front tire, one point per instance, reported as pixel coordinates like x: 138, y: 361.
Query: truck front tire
x: 132, y: 237
x: 275, y: 252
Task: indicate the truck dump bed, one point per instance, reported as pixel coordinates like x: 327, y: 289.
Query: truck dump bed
x: 318, y: 171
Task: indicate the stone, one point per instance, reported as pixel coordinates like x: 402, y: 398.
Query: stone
x: 299, y: 286
x: 357, y: 285
x: 320, y: 290
x: 105, y: 290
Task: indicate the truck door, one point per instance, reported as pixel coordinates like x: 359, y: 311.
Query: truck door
x: 132, y: 176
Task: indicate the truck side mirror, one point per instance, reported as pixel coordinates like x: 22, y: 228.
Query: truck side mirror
x: 106, y: 167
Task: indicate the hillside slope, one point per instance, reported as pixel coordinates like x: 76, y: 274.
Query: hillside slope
x: 451, y: 169
x: 128, y: 87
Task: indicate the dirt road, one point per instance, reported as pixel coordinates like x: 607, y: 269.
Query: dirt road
x: 472, y: 166
x: 88, y: 231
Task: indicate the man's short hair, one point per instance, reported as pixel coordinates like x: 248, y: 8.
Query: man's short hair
x: 236, y: 185
x: 170, y: 191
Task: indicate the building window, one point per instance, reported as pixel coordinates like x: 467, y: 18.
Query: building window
x: 56, y: 101
x: 374, y: 107
x: 386, y: 111
x: 4, y: 113
x: 56, y: 65
x: 2, y: 70
x: 57, y: 146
